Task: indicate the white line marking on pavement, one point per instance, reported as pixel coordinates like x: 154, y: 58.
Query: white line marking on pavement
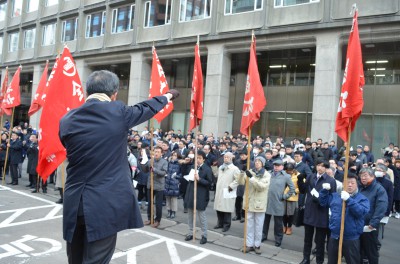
x: 196, y: 258
x: 26, y: 194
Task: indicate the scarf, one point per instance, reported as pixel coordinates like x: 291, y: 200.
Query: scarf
x: 99, y: 96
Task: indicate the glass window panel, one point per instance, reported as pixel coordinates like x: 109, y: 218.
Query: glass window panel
x: 49, y: 34
x: 122, y: 19
x: 17, y: 8
x: 29, y: 38
x: 69, y: 29
x: 157, y: 13
x: 1, y: 45
x: 385, y: 131
x: 51, y: 2
x: 3, y: 10
x: 13, y: 41
x: 194, y: 9
x: 275, y: 124
x: 178, y: 120
x: 95, y: 24
x: 296, y: 126
x: 32, y: 5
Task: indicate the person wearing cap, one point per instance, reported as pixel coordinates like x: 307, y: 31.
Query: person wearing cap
x: 228, y: 175
x: 378, y: 204
x: 276, y: 198
x: 259, y: 180
x: 360, y: 155
x: 316, y: 217
x: 357, y: 206
x: 99, y: 198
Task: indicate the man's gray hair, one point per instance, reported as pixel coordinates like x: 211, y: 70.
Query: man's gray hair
x: 367, y: 170
x: 102, y: 82
x: 382, y: 167
x: 229, y: 154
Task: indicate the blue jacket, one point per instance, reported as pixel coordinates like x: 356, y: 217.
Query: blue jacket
x: 357, y: 207
x: 378, y: 202
x: 95, y: 137
x: 388, y: 185
x: 172, y: 181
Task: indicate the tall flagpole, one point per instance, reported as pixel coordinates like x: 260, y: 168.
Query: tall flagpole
x: 246, y: 193
x: 151, y: 174
x: 346, y: 172
x: 9, y: 140
x: 195, y: 184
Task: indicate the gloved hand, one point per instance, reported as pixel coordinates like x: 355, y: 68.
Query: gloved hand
x: 248, y: 173
x: 326, y: 186
x: 345, y: 195
x: 174, y: 93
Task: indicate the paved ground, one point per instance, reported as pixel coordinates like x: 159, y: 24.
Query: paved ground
x: 30, y: 232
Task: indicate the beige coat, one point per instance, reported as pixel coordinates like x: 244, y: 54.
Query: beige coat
x: 227, y: 177
x: 258, y: 191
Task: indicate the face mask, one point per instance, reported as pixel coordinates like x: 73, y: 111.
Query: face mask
x: 255, y: 151
x: 379, y: 174
x: 191, y: 156
x: 282, y: 154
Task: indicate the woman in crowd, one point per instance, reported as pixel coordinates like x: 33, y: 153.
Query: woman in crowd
x: 171, y: 191
x: 291, y: 202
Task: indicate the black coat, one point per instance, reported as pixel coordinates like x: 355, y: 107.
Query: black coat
x: 15, y: 151
x: 396, y: 193
x: 203, y: 185
x: 304, y: 168
x: 314, y: 214
x: 33, y: 155
x: 95, y: 137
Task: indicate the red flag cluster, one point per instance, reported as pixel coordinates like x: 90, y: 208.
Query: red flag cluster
x: 254, y: 99
x: 351, y: 98
x: 159, y: 86
x: 63, y: 93
x: 196, y: 104
x: 40, y: 94
x: 3, y: 90
x: 12, y: 96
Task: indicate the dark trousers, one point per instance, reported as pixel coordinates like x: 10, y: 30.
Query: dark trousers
x: 80, y: 251
x: 288, y: 220
x: 142, y: 192
x: 37, y: 185
x: 14, y: 172
x: 350, y: 251
x: 158, y: 195
x: 370, y: 245
x: 320, y: 234
x: 224, y: 219
x: 278, y: 227
x: 239, y: 206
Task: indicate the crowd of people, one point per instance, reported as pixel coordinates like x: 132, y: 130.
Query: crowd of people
x: 284, y: 178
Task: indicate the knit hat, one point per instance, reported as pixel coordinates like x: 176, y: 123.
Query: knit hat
x: 262, y: 159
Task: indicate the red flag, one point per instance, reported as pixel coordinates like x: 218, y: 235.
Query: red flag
x: 196, y: 105
x: 38, y: 101
x: 64, y: 93
x: 159, y: 86
x: 351, y: 99
x: 12, y: 97
x: 3, y: 90
x: 254, y: 99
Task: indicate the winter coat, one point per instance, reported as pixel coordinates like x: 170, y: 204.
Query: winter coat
x: 203, y: 185
x: 172, y: 180
x: 388, y: 185
x: 33, y: 156
x: 15, y: 151
x: 258, y: 190
x: 276, y: 196
x: 378, y: 203
x: 314, y: 214
x: 357, y: 206
x: 228, y: 176
x: 396, y: 193
x: 295, y: 196
x: 160, y: 168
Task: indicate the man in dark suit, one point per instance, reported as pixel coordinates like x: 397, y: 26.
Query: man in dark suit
x: 15, y: 148
x: 99, y: 198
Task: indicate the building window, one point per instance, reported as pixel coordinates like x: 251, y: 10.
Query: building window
x: 17, y: 8
x: 3, y: 10
x: 49, y: 34
x: 95, y: 24
x: 69, y: 28
x: 32, y: 6
x: 1, y: 45
x: 194, y: 9
x: 123, y: 19
x: 13, y: 41
x: 282, y: 3
x: 29, y: 38
x: 51, y: 2
x: 240, y: 6
x: 157, y: 14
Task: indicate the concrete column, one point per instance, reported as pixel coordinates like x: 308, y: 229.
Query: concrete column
x: 37, y: 74
x: 327, y: 86
x: 84, y: 71
x: 216, y: 94
x: 139, y: 82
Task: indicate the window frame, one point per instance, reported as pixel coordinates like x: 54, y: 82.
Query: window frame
x: 5, y: 9
x: 1, y: 44
x: 255, y: 9
x: 46, y: 4
x: 28, y: 5
x: 13, y: 8
x: 44, y: 31
x: 64, y: 22
x: 9, y: 41
x: 283, y: 6
x: 33, y: 41
x: 102, y: 23
x: 147, y: 7
x: 185, y: 4
x: 114, y: 19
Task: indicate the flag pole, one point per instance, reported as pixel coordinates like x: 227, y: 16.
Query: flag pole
x: 151, y: 174
x: 246, y: 193
x: 346, y: 172
x: 195, y: 184
x: 9, y: 139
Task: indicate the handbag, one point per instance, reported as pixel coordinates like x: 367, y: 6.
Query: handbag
x: 298, y: 217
